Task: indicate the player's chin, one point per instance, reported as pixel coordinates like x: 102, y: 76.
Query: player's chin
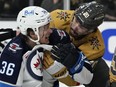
x: 73, y: 34
x: 46, y: 41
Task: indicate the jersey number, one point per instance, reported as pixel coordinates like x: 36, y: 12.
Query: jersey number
x: 7, y: 68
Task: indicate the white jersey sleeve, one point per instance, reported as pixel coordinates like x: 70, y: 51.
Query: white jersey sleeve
x: 85, y: 75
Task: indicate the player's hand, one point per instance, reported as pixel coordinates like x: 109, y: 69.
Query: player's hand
x: 66, y: 54
x: 69, y: 56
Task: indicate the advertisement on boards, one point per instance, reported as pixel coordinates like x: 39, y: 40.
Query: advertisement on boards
x: 108, y: 30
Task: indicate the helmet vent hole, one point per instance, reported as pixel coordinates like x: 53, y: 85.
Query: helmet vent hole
x: 38, y: 22
x: 23, y: 16
x: 36, y: 13
x: 35, y: 29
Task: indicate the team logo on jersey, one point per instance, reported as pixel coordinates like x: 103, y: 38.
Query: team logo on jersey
x: 37, y: 64
x: 14, y: 47
x: 61, y: 33
x: 95, y: 42
x: 63, y: 15
x: 34, y: 65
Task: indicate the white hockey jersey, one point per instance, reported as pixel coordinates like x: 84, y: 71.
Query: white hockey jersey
x: 21, y: 68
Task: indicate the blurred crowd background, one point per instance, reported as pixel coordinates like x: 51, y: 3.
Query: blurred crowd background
x: 10, y: 8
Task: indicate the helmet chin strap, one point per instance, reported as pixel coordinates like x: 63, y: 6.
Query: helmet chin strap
x: 37, y: 33
x: 35, y: 41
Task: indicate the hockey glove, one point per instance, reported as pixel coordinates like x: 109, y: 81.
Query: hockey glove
x: 69, y: 56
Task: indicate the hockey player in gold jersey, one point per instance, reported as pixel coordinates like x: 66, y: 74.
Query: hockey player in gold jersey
x: 112, y: 72
x: 81, y: 25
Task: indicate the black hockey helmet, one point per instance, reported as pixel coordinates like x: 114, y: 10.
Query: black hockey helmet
x: 90, y: 15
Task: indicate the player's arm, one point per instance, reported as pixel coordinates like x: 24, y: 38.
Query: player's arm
x: 54, y: 68
x: 57, y: 70
x: 7, y: 33
x: 76, y: 62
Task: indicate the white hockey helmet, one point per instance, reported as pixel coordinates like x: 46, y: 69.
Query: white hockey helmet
x: 32, y: 17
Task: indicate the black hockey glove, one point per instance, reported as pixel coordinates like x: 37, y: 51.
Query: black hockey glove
x: 68, y: 55
x: 59, y: 36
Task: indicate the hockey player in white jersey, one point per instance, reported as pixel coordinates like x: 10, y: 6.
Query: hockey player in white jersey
x: 33, y: 22
x: 20, y: 66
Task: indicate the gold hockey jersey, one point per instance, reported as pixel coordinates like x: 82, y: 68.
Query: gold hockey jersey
x: 91, y: 45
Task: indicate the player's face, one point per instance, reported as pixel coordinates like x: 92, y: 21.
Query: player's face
x: 77, y: 29
x: 44, y: 33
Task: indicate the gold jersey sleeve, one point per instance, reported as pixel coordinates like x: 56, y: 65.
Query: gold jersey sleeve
x: 61, y: 73
x: 113, y: 68
x: 91, y: 45
x: 112, y: 72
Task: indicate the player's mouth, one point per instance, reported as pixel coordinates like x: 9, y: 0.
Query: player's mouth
x: 73, y: 32
x: 47, y: 37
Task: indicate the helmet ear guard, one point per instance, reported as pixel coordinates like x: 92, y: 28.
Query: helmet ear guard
x: 90, y: 15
